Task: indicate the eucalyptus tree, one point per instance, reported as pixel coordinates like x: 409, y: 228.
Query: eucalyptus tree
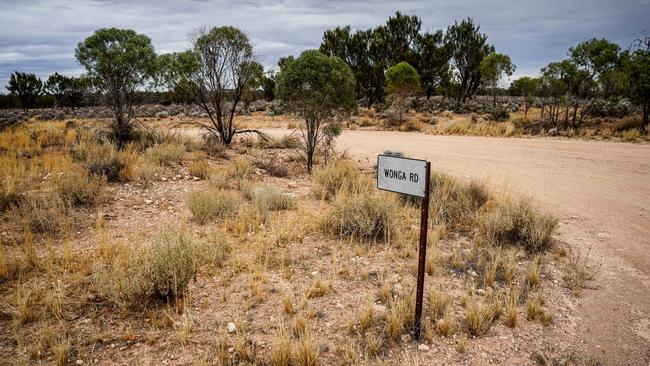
x: 119, y: 62
x: 640, y: 79
x: 493, y: 68
x: 468, y: 48
x: 317, y: 87
x: 27, y: 87
x: 66, y: 90
x: 402, y: 81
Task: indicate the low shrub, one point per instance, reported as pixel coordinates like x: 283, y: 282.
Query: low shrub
x: 454, y: 203
x: 200, y: 169
x: 499, y: 114
x: 42, y: 213
x: 232, y: 174
x: 516, y: 222
x: 269, y: 198
x: 104, y: 159
x: 172, y: 264
x: 364, y: 216
x: 284, y: 142
x: 272, y: 165
x: 166, y: 154
x: 79, y: 188
x: 133, y: 275
x: 336, y: 177
x: 211, y: 204
x: 213, y: 146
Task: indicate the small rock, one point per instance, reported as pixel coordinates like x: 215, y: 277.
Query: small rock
x: 231, y: 350
x: 79, y: 362
x: 405, y: 338
x: 148, y: 202
x: 232, y: 328
x: 480, y: 291
x: 423, y: 348
x: 314, y: 273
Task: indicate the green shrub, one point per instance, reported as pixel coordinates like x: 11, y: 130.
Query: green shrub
x: 211, y: 204
x: 499, y: 114
x: 454, y: 203
x: 268, y: 198
x: 336, y: 177
x: 364, y: 216
x: 79, y: 188
x: 516, y: 222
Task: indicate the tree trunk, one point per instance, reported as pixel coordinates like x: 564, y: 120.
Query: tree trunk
x: 644, y: 118
x: 494, y: 98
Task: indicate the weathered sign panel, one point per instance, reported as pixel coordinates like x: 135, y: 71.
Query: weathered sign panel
x: 402, y: 175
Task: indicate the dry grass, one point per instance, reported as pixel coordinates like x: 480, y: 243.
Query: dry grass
x: 534, y: 271
x: 211, y: 205
x: 42, y: 213
x: 199, y: 169
x: 305, y: 352
x: 363, y: 216
x: 231, y: 175
x: 268, y: 198
x: 455, y: 204
x: 79, y: 188
x: 365, y: 318
x: 166, y: 154
x: 516, y: 222
x: 512, y: 308
x: 480, y: 313
x: 336, y: 177
x: 439, y: 303
x: 281, y: 350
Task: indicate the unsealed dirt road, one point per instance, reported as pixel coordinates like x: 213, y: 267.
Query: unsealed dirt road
x: 600, y: 190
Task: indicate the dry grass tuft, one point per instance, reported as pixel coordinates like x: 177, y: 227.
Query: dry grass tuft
x: 365, y: 319
x: 480, y: 313
x: 516, y: 222
x: 79, y: 188
x: 319, y: 288
x: 166, y: 154
x: 211, y: 205
x: 363, y: 216
x: 439, y: 302
x: 512, y: 308
x: 534, y: 271
x: 42, y: 213
x: 305, y: 353
x: 336, y: 177
x: 281, y: 350
x: 455, y: 204
x: 199, y: 169
x: 269, y: 198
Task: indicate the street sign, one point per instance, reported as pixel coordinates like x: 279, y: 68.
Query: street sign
x: 401, y: 175
x: 410, y: 176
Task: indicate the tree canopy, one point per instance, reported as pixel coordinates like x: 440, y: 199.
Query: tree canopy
x: 26, y: 87
x: 317, y: 87
x: 119, y: 62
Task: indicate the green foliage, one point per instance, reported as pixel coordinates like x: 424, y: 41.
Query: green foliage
x: 26, y: 86
x: 402, y: 79
x: 67, y: 91
x: 172, y: 264
x: 317, y: 87
x: 640, y: 80
x: 493, y: 68
x: 119, y: 62
x: 468, y: 48
x: 432, y: 61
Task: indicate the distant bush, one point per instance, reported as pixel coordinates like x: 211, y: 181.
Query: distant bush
x: 364, y: 216
x: 284, y: 142
x: 79, y: 188
x: 271, y: 163
x: 516, y: 222
x: 213, y: 146
x: 211, y: 205
x: 166, y: 154
x: 336, y: 177
x: 499, y: 114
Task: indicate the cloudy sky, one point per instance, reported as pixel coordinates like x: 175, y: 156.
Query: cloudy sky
x: 39, y: 36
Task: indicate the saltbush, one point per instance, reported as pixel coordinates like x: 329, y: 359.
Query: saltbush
x: 212, y: 204
x: 363, y: 216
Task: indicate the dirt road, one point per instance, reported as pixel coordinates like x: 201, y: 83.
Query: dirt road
x: 601, y: 190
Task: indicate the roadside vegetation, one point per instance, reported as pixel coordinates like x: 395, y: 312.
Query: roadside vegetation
x: 258, y: 247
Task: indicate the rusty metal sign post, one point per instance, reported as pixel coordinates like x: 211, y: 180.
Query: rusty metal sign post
x: 411, y: 177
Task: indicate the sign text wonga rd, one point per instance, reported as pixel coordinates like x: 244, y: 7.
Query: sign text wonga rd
x: 401, y: 175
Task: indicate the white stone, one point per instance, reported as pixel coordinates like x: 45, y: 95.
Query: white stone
x: 423, y: 348
x: 232, y: 328
x: 80, y: 362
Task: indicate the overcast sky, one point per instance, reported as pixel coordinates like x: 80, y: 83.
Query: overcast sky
x: 40, y: 36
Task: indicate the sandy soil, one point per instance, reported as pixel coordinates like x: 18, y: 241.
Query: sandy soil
x: 600, y: 191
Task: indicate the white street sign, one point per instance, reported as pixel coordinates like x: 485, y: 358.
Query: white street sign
x: 401, y: 175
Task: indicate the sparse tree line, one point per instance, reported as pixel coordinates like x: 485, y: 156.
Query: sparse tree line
x: 220, y: 70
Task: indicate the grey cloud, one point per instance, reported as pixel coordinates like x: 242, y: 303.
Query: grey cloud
x: 40, y: 36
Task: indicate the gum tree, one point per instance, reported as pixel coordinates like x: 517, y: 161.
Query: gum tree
x: 640, y: 79
x: 119, y: 63
x: 317, y: 87
x: 225, y: 69
x: 493, y: 68
x: 26, y: 87
x: 402, y: 81
x: 66, y: 90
